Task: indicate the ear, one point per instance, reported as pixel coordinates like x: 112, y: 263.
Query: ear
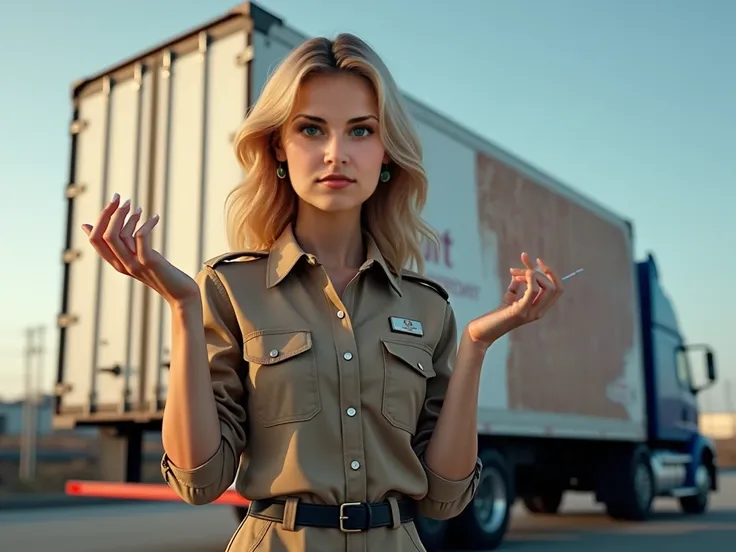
x: 278, y: 147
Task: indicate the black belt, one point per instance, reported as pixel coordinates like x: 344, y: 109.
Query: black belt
x: 351, y: 517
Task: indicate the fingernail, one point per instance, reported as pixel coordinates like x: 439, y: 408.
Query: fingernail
x: 127, y: 202
x: 138, y: 210
x: 115, y: 197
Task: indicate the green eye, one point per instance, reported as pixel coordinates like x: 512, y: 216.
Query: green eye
x: 310, y: 130
x: 362, y: 131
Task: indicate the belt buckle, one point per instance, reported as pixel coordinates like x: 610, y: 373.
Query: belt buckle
x: 343, y: 517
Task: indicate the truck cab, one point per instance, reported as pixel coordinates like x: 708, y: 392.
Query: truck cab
x: 682, y: 458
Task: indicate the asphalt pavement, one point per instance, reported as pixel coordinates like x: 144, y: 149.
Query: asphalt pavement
x: 166, y: 527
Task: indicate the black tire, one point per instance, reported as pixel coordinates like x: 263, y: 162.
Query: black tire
x: 432, y: 533
x: 635, y: 487
x: 547, y: 503
x: 698, y: 503
x: 240, y: 512
x: 483, y: 523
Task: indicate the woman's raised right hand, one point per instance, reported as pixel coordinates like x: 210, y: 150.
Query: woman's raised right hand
x: 129, y: 251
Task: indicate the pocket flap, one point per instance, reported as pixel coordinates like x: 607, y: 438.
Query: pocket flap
x: 266, y: 347
x: 413, y: 355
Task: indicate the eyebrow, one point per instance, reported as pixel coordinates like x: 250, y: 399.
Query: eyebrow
x: 322, y: 121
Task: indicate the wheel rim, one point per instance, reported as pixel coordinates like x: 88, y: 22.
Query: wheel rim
x: 702, y: 480
x: 490, y: 503
x: 643, y: 484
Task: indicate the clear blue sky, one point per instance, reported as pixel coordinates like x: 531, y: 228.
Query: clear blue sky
x: 631, y: 102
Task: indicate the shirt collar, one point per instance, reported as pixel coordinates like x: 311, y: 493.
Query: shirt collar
x: 286, y: 252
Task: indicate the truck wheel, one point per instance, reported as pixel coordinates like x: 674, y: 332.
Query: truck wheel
x: 698, y: 503
x: 431, y: 532
x: 635, y: 487
x: 483, y: 523
x: 240, y: 512
x: 547, y: 503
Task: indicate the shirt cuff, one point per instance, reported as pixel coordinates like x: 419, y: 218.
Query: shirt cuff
x: 208, y: 473
x: 445, y: 490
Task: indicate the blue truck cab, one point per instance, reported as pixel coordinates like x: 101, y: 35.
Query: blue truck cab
x: 683, y: 460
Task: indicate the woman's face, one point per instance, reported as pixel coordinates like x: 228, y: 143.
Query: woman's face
x: 330, y: 146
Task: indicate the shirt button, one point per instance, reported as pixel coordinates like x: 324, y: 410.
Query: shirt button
x: 347, y: 356
x: 351, y: 412
x: 355, y: 464
x: 274, y: 353
x: 340, y: 314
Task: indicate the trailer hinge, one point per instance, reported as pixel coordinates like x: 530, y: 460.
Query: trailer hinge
x: 65, y: 320
x: 166, y: 64
x: 245, y: 56
x: 77, y: 126
x: 203, y: 43
x: 70, y: 255
x: 138, y: 76
x: 73, y: 190
x: 107, y: 85
x: 61, y: 389
x: 115, y: 370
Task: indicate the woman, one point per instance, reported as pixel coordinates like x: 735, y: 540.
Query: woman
x: 311, y: 356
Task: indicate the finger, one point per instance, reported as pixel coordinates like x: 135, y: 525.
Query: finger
x: 96, y: 234
x: 542, y: 301
x: 532, y: 290
x: 126, y: 234
x: 112, y: 236
x: 142, y: 239
x: 543, y: 281
x: 527, y: 261
x: 514, y: 285
x: 551, y: 274
x: 104, y: 218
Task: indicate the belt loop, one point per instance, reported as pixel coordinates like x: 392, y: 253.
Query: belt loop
x: 289, y: 522
x: 395, y: 513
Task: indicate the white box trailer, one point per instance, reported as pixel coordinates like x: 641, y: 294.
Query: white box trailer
x: 157, y: 128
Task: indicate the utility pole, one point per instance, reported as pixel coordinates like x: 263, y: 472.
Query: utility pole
x: 33, y: 397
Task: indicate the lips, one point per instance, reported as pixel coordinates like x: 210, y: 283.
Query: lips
x: 336, y: 181
x: 336, y: 178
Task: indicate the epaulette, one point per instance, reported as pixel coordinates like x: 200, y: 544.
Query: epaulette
x: 423, y: 280
x: 238, y: 256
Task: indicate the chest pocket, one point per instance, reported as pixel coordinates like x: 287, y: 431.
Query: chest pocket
x: 283, y: 377
x: 407, y: 367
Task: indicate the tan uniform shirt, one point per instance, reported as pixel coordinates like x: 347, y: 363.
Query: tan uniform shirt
x: 324, y: 398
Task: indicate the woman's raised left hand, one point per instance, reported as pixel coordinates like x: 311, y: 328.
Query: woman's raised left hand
x: 532, y: 292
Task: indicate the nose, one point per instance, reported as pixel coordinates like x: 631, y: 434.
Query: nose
x: 336, y: 151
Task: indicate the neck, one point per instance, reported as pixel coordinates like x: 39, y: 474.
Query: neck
x: 334, y: 238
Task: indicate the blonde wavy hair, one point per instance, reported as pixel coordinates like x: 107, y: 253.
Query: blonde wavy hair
x: 261, y: 207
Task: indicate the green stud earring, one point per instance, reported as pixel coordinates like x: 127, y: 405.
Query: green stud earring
x: 385, y: 175
x: 281, y: 172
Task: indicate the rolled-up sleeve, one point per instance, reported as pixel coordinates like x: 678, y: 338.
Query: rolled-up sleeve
x: 205, y: 483
x: 445, y: 498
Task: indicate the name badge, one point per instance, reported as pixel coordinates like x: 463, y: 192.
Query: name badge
x: 404, y: 325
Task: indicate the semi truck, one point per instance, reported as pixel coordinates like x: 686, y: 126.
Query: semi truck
x: 599, y: 397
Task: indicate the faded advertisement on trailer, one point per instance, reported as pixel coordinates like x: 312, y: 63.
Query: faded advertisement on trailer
x: 578, y: 371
